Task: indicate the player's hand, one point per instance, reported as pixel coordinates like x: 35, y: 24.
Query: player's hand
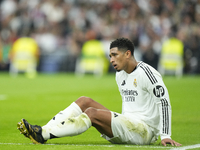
x: 170, y: 141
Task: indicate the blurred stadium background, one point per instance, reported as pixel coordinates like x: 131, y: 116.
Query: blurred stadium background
x: 62, y: 29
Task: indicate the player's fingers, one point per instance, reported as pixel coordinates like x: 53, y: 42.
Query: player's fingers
x: 178, y: 144
x: 172, y: 143
x: 163, y: 143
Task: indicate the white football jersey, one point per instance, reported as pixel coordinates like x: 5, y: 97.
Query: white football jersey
x: 145, y: 97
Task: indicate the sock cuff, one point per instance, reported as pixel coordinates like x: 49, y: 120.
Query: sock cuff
x: 77, y: 107
x: 73, y: 109
x: 86, y: 120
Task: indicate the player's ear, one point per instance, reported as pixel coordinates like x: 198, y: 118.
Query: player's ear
x: 128, y: 53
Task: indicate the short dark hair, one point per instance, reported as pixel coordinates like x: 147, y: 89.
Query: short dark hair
x: 123, y: 44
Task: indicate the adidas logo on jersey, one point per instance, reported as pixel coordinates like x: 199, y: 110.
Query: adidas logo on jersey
x: 123, y: 83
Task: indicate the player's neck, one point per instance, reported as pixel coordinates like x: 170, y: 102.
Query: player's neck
x: 132, y: 65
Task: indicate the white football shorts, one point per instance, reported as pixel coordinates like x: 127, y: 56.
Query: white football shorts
x: 129, y: 131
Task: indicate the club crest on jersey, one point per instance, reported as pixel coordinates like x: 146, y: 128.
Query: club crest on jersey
x: 135, y: 83
x: 158, y: 91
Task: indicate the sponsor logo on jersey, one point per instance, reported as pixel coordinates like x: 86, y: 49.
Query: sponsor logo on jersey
x: 129, y: 95
x: 158, y: 91
x: 129, y: 92
x: 135, y: 83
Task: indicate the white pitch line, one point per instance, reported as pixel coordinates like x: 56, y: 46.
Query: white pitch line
x: 187, y: 147
x: 134, y: 146
x: 163, y: 147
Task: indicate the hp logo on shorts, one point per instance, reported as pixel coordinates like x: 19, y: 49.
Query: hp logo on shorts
x: 158, y: 91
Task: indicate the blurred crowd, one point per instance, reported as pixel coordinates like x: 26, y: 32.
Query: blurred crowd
x: 61, y: 27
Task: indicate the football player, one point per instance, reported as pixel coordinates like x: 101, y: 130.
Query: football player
x: 146, y: 109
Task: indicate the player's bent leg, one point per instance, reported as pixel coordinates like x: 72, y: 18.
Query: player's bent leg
x: 86, y: 102
x: 72, y: 121
x: 101, y: 120
x: 75, y: 109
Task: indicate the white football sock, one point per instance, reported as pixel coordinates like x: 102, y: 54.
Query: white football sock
x: 72, y: 110
x: 69, y: 127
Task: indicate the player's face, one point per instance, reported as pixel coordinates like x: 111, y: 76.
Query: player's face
x: 118, y: 59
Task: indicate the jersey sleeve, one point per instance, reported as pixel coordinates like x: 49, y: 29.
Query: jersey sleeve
x: 157, y: 89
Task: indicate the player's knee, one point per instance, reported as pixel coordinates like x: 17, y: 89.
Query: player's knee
x: 84, y: 102
x: 91, y: 112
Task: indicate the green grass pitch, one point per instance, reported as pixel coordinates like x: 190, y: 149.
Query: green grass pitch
x: 39, y: 99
